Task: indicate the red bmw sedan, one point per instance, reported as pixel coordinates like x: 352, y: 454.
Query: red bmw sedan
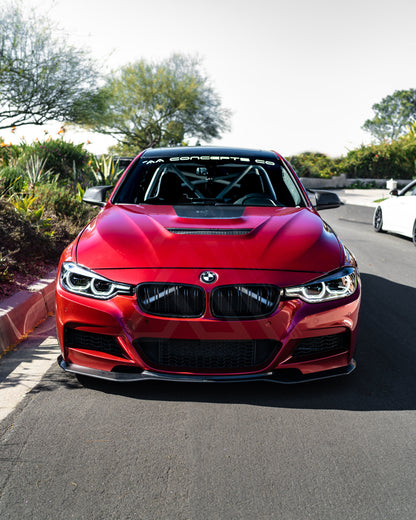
x: 208, y: 264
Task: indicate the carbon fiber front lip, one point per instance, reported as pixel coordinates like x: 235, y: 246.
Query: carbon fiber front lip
x: 156, y: 376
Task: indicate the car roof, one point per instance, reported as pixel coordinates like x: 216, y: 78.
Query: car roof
x: 184, y: 151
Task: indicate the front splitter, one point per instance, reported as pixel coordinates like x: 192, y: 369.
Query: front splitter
x: 146, y: 375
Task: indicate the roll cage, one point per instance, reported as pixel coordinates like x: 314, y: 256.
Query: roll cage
x: 215, y: 183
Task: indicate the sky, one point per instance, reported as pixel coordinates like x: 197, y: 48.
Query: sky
x: 298, y: 75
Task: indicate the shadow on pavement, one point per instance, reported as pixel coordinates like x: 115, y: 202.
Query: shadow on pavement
x: 39, y: 346
x: 384, y: 379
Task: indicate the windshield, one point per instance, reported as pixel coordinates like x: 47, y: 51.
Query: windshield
x: 209, y: 180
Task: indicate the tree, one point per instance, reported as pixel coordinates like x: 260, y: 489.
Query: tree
x: 392, y: 115
x: 42, y: 78
x: 160, y: 104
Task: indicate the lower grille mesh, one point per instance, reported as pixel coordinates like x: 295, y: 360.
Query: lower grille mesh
x: 198, y: 355
x: 74, y: 338
x: 322, y: 345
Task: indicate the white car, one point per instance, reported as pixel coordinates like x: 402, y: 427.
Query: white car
x: 398, y: 213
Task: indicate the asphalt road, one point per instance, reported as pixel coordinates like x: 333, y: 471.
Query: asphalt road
x: 340, y: 449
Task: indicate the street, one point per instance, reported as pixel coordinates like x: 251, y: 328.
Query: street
x: 338, y: 449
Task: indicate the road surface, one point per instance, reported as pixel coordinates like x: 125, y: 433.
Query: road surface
x: 340, y: 449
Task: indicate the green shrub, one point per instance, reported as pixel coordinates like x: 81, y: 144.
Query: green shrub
x: 106, y: 170
x: 64, y: 205
x: 395, y: 160
x: 12, y: 180
x: 70, y: 162
x: 35, y: 171
x: 23, y: 244
x: 313, y: 164
x: 9, y: 153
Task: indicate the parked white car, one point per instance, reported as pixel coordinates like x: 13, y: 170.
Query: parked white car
x: 398, y: 213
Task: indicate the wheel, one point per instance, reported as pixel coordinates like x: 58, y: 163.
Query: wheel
x: 414, y: 233
x: 378, y: 220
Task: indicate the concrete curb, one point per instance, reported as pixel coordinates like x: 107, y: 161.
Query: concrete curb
x: 357, y: 197
x: 20, y: 313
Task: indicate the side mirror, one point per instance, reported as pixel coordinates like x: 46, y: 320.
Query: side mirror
x: 394, y: 193
x: 96, y: 195
x: 326, y: 200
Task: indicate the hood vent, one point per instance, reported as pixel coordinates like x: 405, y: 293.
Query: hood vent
x: 209, y: 231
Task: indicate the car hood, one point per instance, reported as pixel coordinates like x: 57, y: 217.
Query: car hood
x: 148, y: 236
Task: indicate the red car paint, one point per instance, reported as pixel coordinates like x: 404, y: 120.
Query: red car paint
x: 290, y: 239
x: 246, y: 247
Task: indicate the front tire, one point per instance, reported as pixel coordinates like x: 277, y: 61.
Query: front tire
x: 414, y: 233
x: 378, y: 220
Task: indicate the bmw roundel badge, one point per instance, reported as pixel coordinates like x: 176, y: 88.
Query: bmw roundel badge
x: 208, y: 277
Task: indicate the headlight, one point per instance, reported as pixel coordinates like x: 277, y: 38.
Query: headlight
x: 79, y: 280
x: 337, y: 285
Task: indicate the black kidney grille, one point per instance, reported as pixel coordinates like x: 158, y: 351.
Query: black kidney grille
x: 244, y: 301
x: 201, y: 355
x: 177, y: 300
x: 74, y: 338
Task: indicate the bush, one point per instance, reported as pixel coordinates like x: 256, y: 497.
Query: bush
x: 312, y: 164
x: 71, y: 162
x: 39, y: 214
x: 395, y: 160
x: 12, y: 180
x: 64, y: 205
x: 23, y: 243
x: 35, y: 229
x: 9, y: 153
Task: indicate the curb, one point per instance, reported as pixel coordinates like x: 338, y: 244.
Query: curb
x: 23, y: 311
x: 357, y: 197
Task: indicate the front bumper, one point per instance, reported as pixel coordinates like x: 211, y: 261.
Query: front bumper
x: 283, y: 377
x: 122, y: 321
